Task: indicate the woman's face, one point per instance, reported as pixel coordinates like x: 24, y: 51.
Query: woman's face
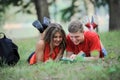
x: 57, y: 39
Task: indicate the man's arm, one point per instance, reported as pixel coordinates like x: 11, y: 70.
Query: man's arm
x: 94, y: 56
x: 95, y: 47
x: 81, y: 56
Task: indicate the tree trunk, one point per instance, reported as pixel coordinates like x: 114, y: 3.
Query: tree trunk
x: 90, y: 8
x: 42, y: 9
x: 114, y: 6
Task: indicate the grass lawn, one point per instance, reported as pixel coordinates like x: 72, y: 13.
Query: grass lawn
x: 95, y: 70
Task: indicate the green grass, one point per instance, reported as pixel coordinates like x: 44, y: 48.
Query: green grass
x: 96, y: 70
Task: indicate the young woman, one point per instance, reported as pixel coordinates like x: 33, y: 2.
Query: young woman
x: 51, y: 47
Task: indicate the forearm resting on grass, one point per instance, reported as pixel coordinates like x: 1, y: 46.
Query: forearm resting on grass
x: 81, y: 56
x: 39, y: 51
x: 39, y: 57
x: 94, y: 56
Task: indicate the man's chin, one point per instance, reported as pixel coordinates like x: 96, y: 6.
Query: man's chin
x: 76, y: 43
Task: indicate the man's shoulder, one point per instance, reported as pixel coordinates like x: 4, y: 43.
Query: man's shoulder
x: 90, y: 34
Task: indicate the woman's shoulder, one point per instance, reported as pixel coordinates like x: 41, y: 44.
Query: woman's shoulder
x: 41, y: 43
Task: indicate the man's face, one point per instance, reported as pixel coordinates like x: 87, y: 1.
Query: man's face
x: 77, y: 37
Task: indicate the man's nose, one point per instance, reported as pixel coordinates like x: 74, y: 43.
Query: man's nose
x: 73, y: 38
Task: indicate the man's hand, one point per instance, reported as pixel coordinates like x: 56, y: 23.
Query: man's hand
x: 72, y: 57
x: 80, y: 57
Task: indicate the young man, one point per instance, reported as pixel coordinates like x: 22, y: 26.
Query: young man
x: 80, y: 41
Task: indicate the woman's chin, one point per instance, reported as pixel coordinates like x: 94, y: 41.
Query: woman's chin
x: 56, y: 44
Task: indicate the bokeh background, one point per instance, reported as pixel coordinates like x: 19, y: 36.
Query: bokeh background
x: 16, y: 17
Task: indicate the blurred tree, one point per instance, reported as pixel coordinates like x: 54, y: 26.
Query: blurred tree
x: 4, y: 6
x: 55, y: 9
x: 114, y: 12
x: 68, y: 12
x: 114, y: 6
x: 41, y: 6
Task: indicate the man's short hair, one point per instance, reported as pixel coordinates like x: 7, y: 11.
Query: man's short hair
x: 75, y: 26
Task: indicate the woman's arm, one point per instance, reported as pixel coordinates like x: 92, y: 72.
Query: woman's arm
x: 40, y: 51
x: 60, y: 55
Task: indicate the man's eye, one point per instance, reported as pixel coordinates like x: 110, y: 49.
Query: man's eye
x: 76, y: 36
x: 71, y: 36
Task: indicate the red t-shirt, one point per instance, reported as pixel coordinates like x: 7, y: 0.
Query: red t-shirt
x: 91, y: 42
x: 46, y: 54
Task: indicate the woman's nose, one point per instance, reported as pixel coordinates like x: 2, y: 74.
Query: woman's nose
x: 58, y: 39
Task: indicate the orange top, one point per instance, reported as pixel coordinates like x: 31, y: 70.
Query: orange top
x: 46, y: 54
